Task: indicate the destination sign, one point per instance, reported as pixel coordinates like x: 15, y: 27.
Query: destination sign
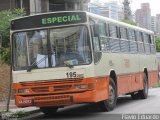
x: 48, y: 20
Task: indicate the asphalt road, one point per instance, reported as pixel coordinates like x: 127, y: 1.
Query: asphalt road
x: 125, y: 105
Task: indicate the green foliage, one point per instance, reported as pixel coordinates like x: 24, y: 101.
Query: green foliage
x: 5, y: 55
x: 10, y: 115
x: 5, y: 17
x: 19, y: 114
x: 158, y: 43
x: 131, y: 22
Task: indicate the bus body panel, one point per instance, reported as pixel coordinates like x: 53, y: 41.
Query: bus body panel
x: 45, y: 93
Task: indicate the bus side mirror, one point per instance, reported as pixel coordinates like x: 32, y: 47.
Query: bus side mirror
x: 96, y: 30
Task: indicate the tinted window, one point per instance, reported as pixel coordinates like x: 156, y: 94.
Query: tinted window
x: 139, y: 36
x: 123, y: 33
x: 131, y: 35
x: 113, y: 31
x: 102, y: 29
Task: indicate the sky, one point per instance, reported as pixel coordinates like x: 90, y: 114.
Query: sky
x: 154, y: 5
x: 135, y: 4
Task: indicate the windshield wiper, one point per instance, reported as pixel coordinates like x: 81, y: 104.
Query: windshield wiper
x: 68, y: 65
x: 35, y: 64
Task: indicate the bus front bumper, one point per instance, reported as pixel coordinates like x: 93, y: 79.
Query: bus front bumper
x: 57, y: 100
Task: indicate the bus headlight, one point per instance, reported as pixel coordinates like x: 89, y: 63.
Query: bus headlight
x: 24, y: 90
x: 80, y: 87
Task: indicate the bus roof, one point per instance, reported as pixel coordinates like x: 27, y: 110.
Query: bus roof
x: 118, y: 23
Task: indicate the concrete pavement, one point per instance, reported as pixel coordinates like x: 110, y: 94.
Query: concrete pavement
x: 4, y: 103
x: 14, y: 110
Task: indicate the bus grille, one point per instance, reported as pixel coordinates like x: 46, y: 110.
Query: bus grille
x: 42, y: 101
x: 46, y: 82
x: 42, y: 89
x: 54, y: 88
x: 61, y: 88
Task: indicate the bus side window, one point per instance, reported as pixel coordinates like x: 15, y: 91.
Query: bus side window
x: 96, y: 42
x: 146, y: 43
x: 124, y: 40
x: 152, y: 45
x: 103, y: 28
x: 123, y: 33
x: 95, y: 37
x: 140, y: 42
x: 132, y: 41
x: 114, y: 40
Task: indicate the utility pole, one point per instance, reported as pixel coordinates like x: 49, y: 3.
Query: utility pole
x: 127, y: 9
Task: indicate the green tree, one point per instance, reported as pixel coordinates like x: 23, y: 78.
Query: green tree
x: 158, y: 43
x: 5, y: 18
x: 131, y: 22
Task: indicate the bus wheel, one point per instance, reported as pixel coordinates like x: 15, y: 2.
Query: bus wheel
x: 144, y: 93
x: 135, y: 96
x: 49, y: 111
x: 109, y: 104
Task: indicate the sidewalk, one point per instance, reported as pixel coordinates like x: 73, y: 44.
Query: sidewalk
x: 14, y: 109
x: 12, y: 106
x: 3, y: 105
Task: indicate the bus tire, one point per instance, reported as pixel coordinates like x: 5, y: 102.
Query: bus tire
x: 49, y: 111
x: 109, y: 104
x: 144, y: 93
x: 135, y: 96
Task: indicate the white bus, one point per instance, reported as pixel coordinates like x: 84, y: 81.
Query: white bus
x: 66, y: 58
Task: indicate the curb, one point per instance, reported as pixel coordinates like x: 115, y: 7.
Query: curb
x: 12, y: 114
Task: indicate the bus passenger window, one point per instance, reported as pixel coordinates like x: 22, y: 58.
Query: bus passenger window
x: 96, y: 42
x: 146, y: 43
x: 113, y: 31
x: 103, y: 28
x: 114, y: 40
x: 150, y: 41
x: 123, y: 33
x: 95, y: 34
x: 140, y: 42
x: 132, y: 41
x: 123, y: 41
x: 131, y: 35
x: 153, y: 50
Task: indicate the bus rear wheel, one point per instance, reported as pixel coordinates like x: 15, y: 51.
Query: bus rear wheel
x: 49, y: 111
x: 143, y: 94
x: 109, y: 104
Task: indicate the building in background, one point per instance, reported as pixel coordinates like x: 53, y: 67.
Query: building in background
x: 7, y: 4
x: 127, y: 10
x: 111, y: 9
x: 41, y: 6
x: 13, y: 4
x: 120, y: 12
x: 143, y: 16
x: 153, y: 24
x: 158, y: 24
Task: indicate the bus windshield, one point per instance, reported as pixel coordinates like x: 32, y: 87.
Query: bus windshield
x: 48, y: 48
